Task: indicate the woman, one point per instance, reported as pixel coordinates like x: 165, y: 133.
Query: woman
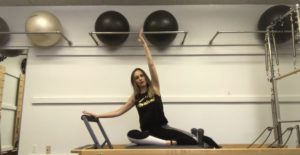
x: 153, y: 123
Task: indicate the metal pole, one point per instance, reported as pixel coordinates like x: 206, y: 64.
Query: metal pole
x: 219, y: 32
x: 86, y: 122
x: 12, y: 75
x: 104, y: 135
x: 277, y: 109
x: 185, y: 34
x: 274, y: 94
x: 298, y: 135
x: 298, y: 18
x: 288, y: 121
x: 69, y: 42
x: 154, y: 32
x: 91, y: 34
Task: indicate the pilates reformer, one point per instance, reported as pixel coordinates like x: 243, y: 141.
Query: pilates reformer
x: 132, y: 149
x: 96, y: 145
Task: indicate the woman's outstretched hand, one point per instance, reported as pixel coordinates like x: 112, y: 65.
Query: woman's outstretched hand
x: 141, y: 38
x: 89, y: 113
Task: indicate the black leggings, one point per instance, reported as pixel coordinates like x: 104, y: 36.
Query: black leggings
x: 171, y: 134
x: 158, y: 136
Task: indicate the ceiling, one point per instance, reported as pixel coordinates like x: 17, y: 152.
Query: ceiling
x: 137, y: 2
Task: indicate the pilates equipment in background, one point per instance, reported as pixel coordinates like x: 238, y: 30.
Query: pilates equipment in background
x: 43, y: 21
x: 160, y: 20
x: 112, y: 21
x: 293, y: 16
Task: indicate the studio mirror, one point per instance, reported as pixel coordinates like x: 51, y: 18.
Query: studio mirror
x: 12, y: 74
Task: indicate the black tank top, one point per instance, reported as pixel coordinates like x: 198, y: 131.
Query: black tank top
x: 150, y: 110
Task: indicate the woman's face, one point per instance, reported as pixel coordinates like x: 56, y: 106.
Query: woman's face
x: 139, y: 78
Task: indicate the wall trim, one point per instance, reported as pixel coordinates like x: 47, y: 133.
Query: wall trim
x: 8, y: 107
x: 168, y: 99
x: 6, y: 148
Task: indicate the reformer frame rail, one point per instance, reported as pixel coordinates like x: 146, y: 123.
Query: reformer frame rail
x: 158, y: 32
x: 48, y: 32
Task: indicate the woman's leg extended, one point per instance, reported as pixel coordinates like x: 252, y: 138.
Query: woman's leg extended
x: 144, y: 138
x: 168, y: 133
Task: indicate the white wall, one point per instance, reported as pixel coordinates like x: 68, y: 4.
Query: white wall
x: 194, y: 88
x: 9, y: 102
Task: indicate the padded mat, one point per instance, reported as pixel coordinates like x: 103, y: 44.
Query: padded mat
x: 134, y: 146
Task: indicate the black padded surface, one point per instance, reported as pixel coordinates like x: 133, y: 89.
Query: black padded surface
x: 133, y: 146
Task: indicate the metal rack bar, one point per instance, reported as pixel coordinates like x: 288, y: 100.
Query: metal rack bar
x: 288, y: 121
x: 12, y: 75
x: 48, y: 32
x: 159, y: 32
x: 219, y: 32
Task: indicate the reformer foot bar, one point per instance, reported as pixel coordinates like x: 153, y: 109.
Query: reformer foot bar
x: 131, y: 149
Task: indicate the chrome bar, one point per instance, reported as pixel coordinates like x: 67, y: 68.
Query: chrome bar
x: 298, y: 135
x: 185, y: 34
x: 298, y: 18
x: 48, y: 32
x: 266, y: 58
x: 293, y: 38
x: 91, y: 34
x: 274, y: 93
x: 219, y: 32
x: 275, y: 50
x: 12, y: 75
x: 159, y: 32
x: 288, y: 121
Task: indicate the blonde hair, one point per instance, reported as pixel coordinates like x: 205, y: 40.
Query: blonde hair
x: 136, y: 89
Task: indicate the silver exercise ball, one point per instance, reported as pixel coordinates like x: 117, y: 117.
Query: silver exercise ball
x: 3, y: 28
x: 43, y: 21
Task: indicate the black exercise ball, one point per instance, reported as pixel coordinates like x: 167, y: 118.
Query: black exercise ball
x: 112, y: 21
x: 3, y: 28
x: 273, y: 14
x: 11, y: 52
x: 160, y: 21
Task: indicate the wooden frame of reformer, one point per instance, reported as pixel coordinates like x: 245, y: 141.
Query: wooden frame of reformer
x: 228, y: 149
